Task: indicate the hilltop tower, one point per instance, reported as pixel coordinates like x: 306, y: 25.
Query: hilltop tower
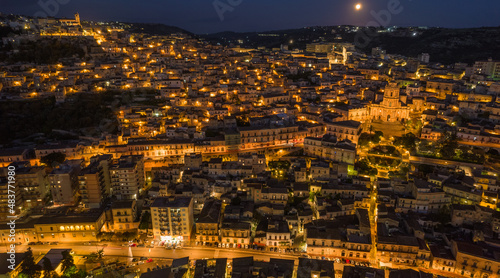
x: 77, y: 19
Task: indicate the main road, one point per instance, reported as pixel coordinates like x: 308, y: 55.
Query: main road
x: 159, y: 252
x: 437, y: 161
x: 164, y: 256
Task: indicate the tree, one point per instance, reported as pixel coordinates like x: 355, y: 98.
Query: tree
x: 377, y: 136
x: 364, y: 168
x: 96, y: 256
x: 53, y: 158
x: 407, y: 141
x: 67, y: 262
x: 48, y: 269
x: 29, y: 268
x: 449, y: 145
x: 74, y: 272
x: 128, y: 236
x: 100, y: 254
x: 104, y: 236
x: 145, y: 221
x: 366, y: 138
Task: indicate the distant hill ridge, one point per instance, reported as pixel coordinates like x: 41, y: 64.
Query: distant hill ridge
x: 445, y: 45
x: 156, y: 29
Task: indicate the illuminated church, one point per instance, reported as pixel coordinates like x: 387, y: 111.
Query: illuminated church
x: 391, y: 109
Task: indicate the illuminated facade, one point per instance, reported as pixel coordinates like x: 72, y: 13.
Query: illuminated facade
x: 128, y: 177
x: 172, y: 218
x: 390, y: 109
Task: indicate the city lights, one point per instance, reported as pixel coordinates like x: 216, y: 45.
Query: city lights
x: 346, y: 149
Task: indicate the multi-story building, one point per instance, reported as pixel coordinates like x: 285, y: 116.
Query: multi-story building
x: 489, y: 68
x: 257, y: 161
x: 193, y: 161
x: 94, y: 181
x: 64, y: 185
x: 69, y: 149
x: 262, y: 136
x: 207, y: 223
x: 425, y: 198
x: 235, y: 234
x: 331, y: 243
x: 330, y: 149
x: 441, y: 87
x: 33, y: 184
x: 398, y: 250
x: 172, y: 219
x: 128, y: 177
x: 278, y: 234
x: 344, y: 130
x: 462, y: 192
x: 124, y: 215
x: 10, y: 207
x: 70, y: 226
x: 157, y: 149
x: 273, y: 195
x: 25, y: 232
x: 443, y: 259
x: 475, y: 260
x: 470, y: 214
x: 7, y: 156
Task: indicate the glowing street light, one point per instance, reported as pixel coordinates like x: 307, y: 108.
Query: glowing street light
x: 358, y: 7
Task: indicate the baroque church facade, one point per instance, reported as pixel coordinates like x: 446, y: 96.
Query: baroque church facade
x: 390, y: 109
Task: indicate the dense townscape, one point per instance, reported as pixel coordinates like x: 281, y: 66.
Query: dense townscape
x: 143, y: 155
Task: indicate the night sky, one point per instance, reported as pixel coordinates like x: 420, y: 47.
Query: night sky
x: 200, y: 16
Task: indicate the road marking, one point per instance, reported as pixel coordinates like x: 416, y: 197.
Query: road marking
x: 216, y: 253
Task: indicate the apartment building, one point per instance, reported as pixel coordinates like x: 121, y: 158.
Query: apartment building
x: 172, y: 219
x: 33, y: 184
x: 235, y: 234
x: 63, y: 182
x: 127, y: 177
x: 125, y: 216
x: 95, y: 182
x: 475, y: 260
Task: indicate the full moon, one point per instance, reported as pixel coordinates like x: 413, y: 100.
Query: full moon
x: 358, y: 7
